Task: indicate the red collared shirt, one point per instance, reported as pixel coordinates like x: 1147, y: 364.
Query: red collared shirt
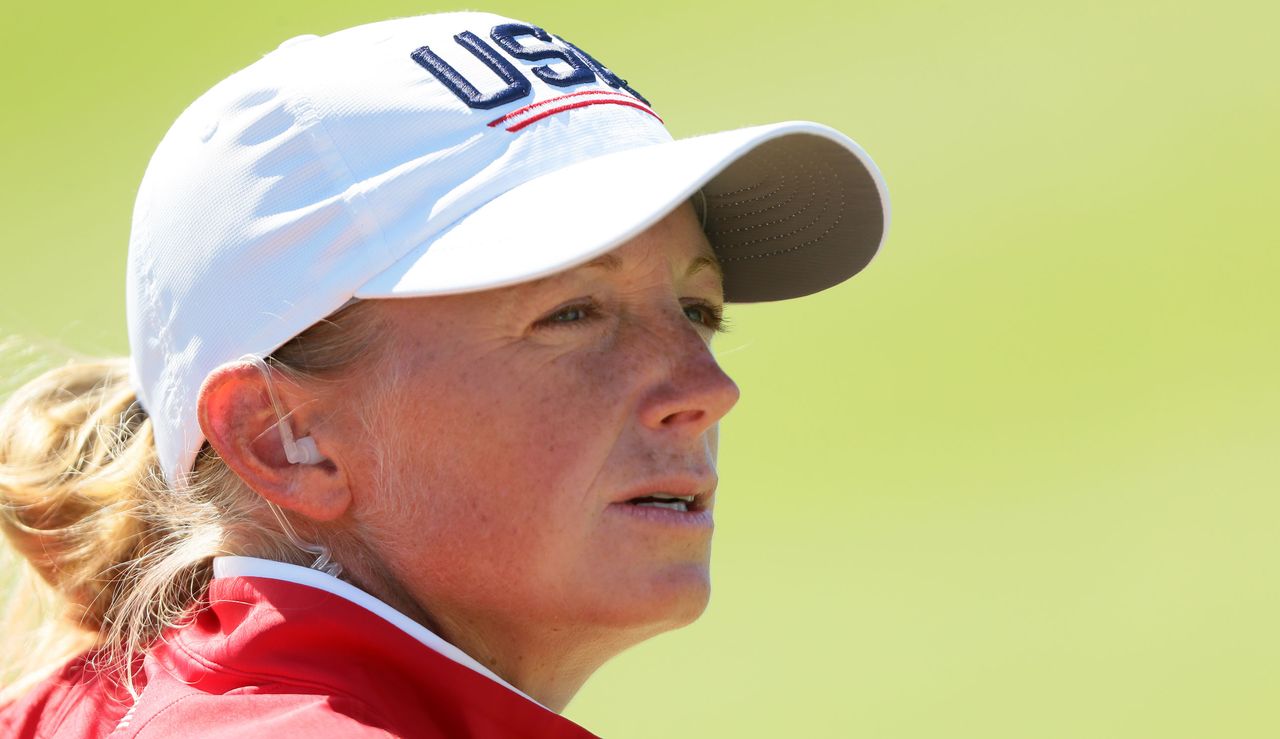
x: 286, y: 652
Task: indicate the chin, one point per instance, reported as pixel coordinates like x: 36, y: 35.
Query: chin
x: 693, y: 593
x: 670, y: 599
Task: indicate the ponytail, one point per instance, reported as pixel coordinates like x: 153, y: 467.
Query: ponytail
x: 75, y: 448
x: 111, y: 549
x: 75, y: 451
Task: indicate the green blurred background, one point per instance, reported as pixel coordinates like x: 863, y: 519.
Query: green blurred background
x: 1018, y: 479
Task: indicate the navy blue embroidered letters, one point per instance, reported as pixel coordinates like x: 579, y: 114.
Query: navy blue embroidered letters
x: 582, y: 67
x: 517, y: 84
x: 606, y: 74
x: 507, y: 36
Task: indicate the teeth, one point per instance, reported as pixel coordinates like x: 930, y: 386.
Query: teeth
x: 661, y: 496
x: 676, y: 504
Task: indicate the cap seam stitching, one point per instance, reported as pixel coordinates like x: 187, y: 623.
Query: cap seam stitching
x: 354, y: 196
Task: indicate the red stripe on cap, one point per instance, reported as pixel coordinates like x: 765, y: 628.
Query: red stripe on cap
x: 582, y: 104
x: 555, y: 99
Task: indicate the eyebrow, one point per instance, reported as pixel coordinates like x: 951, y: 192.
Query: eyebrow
x: 612, y: 263
x: 609, y: 262
x: 705, y: 262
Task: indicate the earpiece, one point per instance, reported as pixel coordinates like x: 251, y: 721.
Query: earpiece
x: 305, y: 451
x: 297, y: 451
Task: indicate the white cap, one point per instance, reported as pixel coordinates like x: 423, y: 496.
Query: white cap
x: 441, y: 154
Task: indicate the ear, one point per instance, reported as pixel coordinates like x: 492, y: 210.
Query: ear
x: 240, y: 423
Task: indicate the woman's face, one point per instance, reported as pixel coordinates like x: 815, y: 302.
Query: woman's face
x: 524, y: 440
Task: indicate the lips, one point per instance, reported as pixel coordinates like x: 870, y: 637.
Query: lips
x: 671, y: 496
x: 670, y: 502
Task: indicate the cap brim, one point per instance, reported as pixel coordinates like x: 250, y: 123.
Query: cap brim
x: 792, y: 208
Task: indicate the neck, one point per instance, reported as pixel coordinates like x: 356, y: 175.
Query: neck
x: 547, y: 662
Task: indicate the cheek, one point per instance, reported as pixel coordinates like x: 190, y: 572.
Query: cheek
x: 498, y: 473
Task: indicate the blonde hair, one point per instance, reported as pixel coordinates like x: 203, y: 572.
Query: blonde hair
x: 113, y: 555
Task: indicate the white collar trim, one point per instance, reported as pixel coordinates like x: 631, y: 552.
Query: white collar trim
x: 229, y: 566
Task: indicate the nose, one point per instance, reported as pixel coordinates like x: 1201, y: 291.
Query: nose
x: 691, y: 392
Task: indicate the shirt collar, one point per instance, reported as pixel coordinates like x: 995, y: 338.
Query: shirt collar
x: 235, y: 566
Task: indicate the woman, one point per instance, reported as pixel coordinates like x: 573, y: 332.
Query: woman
x: 418, y: 426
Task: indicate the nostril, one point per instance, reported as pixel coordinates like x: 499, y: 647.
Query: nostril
x: 686, y: 416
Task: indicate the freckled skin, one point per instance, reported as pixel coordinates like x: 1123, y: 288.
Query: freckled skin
x: 507, y: 438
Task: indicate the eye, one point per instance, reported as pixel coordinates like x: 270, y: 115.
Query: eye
x: 707, y: 315
x: 570, y: 315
